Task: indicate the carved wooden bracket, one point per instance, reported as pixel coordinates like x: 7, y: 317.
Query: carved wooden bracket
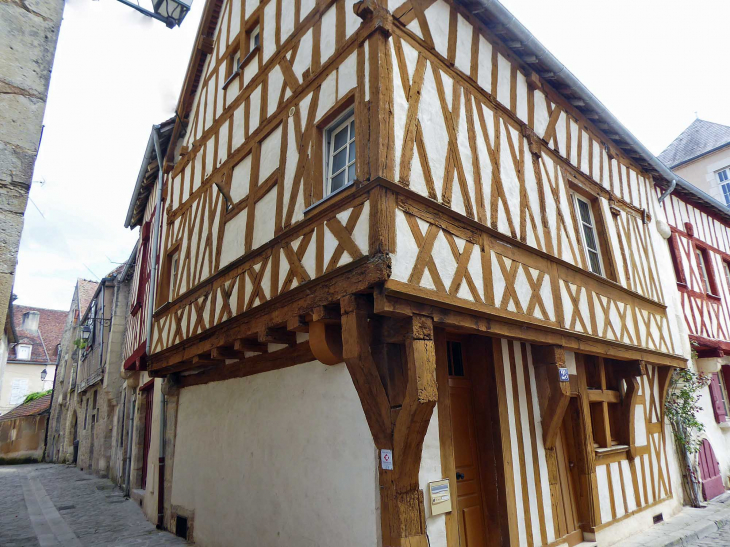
x: 547, y: 361
x: 397, y: 413
x: 325, y: 339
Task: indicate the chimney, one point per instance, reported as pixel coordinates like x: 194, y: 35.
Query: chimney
x: 31, y: 319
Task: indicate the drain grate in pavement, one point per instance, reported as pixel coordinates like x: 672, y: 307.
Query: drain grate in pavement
x: 116, y: 501
x: 66, y: 507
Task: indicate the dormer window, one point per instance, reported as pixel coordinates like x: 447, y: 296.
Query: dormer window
x: 23, y: 351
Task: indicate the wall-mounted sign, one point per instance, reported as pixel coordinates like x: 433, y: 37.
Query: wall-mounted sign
x: 386, y: 459
x: 563, y: 374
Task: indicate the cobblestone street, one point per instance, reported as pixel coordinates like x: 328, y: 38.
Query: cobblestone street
x: 50, y: 505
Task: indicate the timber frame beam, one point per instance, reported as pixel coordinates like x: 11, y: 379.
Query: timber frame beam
x: 548, y: 360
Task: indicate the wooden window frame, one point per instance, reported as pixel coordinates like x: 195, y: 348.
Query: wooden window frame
x: 164, y: 293
x: 706, y: 271
x: 599, y: 229
x: 143, y: 273
x: 674, y: 253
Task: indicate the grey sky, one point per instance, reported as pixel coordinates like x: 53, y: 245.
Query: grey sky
x: 653, y: 63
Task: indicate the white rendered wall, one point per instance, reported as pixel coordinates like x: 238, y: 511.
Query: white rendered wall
x: 281, y: 458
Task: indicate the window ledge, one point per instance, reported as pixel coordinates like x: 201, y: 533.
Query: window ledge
x: 714, y: 296
x: 614, y: 449
x: 328, y: 197
x: 724, y: 425
x: 241, y: 65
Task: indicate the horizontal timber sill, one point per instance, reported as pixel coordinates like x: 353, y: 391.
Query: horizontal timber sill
x: 398, y: 297
x: 470, y: 224
x: 343, y: 200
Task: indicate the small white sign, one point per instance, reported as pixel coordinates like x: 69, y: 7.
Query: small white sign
x: 386, y: 459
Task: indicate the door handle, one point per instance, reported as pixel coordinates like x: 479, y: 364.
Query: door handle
x: 459, y: 476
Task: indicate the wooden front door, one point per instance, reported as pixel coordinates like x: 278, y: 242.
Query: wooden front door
x: 568, y: 519
x: 469, y: 506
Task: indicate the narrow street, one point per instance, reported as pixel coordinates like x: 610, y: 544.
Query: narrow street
x: 50, y: 505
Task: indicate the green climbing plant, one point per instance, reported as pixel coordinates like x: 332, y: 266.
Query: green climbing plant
x: 682, y: 406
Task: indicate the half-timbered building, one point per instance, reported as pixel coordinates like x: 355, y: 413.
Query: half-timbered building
x: 400, y: 243
x: 699, y: 225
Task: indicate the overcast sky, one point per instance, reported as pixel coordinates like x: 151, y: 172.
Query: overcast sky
x: 652, y: 63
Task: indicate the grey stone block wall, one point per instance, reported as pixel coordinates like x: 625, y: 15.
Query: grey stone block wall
x: 28, y: 36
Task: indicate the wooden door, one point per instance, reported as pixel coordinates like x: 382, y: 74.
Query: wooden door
x: 568, y: 518
x: 712, y: 485
x: 469, y: 501
x: 147, y: 433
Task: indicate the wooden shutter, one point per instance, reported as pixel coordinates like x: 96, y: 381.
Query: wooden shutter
x: 712, y: 485
x: 718, y: 404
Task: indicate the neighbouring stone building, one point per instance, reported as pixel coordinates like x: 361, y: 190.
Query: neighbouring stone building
x: 65, y: 380
x: 87, y: 398
x: 23, y: 431
x: 28, y: 36
x: 33, y: 359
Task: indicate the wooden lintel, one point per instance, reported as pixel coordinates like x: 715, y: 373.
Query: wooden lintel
x: 603, y: 396
x: 256, y: 364
x: 271, y: 335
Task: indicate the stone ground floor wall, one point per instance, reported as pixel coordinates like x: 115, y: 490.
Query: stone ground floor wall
x: 22, y: 439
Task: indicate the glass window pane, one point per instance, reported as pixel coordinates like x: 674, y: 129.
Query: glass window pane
x: 584, y: 212
x: 338, y: 181
x: 340, y: 138
x: 339, y: 161
x: 352, y: 151
x: 351, y: 173
x: 595, y: 262
x: 590, y: 238
x: 352, y: 129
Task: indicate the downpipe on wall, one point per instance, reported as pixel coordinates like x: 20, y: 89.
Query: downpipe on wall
x: 150, y: 311
x: 130, y: 437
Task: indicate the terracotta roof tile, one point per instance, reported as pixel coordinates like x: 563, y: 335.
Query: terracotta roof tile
x: 33, y: 408
x: 46, y: 339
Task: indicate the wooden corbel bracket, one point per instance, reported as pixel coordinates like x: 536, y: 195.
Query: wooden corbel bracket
x: 548, y: 360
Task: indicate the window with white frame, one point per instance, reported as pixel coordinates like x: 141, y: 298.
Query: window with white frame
x: 588, y: 234
x: 340, y: 153
x: 723, y: 177
x: 254, y: 38
x: 22, y: 351
x: 726, y: 269
x: 705, y: 272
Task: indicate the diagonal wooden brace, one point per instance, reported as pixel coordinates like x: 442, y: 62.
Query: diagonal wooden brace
x: 547, y: 361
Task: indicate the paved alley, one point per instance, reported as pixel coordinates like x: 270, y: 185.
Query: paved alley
x: 51, y: 505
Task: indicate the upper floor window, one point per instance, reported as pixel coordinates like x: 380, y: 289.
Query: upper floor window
x: 726, y: 270
x: 174, y: 265
x: 588, y: 234
x: 340, y: 147
x: 723, y: 176
x: 22, y: 351
x: 254, y: 38
x: 705, y: 268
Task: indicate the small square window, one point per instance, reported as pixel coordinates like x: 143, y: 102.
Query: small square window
x: 722, y: 175
x: 588, y: 233
x: 340, y: 149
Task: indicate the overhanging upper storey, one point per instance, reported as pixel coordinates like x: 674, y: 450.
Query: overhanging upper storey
x: 343, y: 148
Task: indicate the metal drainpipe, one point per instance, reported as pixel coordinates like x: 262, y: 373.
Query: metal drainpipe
x: 668, y: 191
x: 130, y: 435
x: 101, y: 323
x: 153, y: 281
